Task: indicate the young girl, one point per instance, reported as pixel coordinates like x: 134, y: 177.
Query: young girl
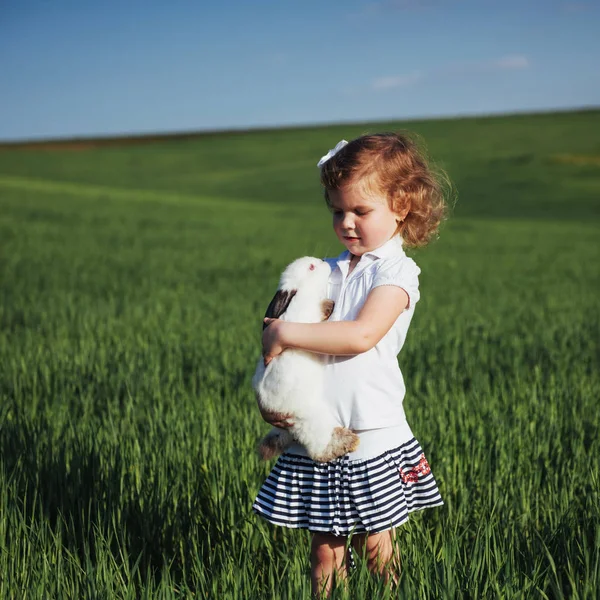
x: 383, y: 195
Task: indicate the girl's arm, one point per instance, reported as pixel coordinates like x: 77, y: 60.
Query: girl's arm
x: 381, y: 309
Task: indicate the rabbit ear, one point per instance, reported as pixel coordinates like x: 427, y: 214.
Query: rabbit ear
x: 281, y: 300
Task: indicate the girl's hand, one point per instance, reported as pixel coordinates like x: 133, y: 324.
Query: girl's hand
x: 271, y: 340
x: 281, y: 420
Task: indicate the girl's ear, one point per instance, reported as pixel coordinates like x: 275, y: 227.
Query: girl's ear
x: 401, y: 215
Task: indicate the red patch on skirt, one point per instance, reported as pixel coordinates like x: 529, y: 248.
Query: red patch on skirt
x: 412, y: 475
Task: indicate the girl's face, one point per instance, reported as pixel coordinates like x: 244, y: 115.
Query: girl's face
x: 362, y: 220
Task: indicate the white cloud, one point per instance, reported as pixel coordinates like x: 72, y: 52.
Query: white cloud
x: 511, y: 62
x: 279, y: 59
x: 391, y: 5
x: 516, y: 61
x: 395, y: 81
x: 577, y: 7
x: 385, y: 7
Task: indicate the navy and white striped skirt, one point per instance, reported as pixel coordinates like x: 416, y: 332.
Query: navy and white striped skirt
x: 348, y: 496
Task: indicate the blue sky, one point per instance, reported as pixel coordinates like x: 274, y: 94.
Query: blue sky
x: 113, y: 67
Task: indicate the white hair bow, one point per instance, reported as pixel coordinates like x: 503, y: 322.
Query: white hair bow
x: 331, y: 153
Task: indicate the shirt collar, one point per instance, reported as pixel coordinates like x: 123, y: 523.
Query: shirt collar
x: 393, y: 247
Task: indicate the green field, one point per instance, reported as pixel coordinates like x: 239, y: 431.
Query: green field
x: 133, y: 283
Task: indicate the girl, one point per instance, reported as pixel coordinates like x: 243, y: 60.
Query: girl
x: 383, y: 195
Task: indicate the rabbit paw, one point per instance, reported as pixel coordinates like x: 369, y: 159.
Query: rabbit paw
x: 344, y: 440
x: 327, y: 307
x: 273, y: 444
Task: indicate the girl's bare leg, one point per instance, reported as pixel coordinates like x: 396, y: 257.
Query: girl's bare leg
x: 383, y: 557
x: 328, y: 554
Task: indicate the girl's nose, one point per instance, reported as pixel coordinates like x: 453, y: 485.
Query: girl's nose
x: 348, y: 221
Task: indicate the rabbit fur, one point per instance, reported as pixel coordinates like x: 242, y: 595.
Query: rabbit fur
x: 293, y: 381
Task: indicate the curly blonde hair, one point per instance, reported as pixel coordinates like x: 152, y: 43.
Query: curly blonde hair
x: 391, y: 164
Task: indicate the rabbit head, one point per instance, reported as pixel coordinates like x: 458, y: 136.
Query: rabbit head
x: 307, y: 275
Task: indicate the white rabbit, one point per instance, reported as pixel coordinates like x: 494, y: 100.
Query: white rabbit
x: 293, y: 381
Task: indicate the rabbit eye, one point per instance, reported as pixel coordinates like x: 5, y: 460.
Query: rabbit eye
x: 312, y: 267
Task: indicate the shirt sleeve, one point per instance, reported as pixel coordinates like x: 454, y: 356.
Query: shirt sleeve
x: 402, y: 272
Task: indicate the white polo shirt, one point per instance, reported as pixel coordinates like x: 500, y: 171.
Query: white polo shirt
x: 366, y: 391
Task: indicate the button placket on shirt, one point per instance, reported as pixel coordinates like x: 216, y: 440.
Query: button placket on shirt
x: 348, y: 277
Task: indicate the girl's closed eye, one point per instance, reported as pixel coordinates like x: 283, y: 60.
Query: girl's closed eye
x: 360, y: 213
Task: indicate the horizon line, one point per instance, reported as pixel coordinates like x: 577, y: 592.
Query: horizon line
x: 158, y: 136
